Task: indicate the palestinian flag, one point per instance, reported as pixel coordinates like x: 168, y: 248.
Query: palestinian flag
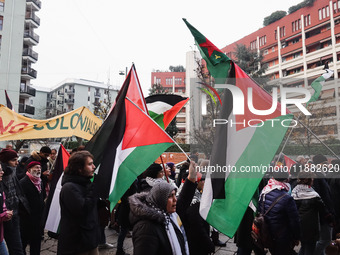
x: 288, y: 161
x: 134, y: 92
x: 243, y: 147
x: 52, y: 207
x: 218, y: 63
x: 164, y: 107
x: 131, y: 142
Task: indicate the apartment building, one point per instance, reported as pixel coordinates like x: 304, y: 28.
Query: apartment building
x: 18, y: 20
x: 71, y: 94
x: 174, y: 83
x: 295, y: 49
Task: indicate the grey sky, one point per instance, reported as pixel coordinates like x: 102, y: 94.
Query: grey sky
x: 96, y: 39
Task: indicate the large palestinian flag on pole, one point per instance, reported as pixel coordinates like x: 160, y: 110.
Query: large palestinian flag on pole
x: 164, y: 107
x: 131, y: 141
x: 243, y: 148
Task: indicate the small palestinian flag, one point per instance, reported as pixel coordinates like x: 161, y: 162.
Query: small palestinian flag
x: 164, y: 107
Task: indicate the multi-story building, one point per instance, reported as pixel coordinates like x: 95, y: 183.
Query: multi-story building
x: 295, y: 49
x: 18, y: 20
x: 174, y: 83
x: 71, y: 94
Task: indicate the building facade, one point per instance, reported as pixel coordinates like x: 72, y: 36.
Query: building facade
x: 71, y: 94
x: 18, y: 20
x: 295, y: 49
x: 174, y: 83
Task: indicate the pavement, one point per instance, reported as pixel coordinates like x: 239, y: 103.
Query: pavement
x: 49, y: 245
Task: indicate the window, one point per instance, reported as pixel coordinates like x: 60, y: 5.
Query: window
x: 323, y: 12
x: 334, y: 7
x: 1, y: 22
x: 253, y: 45
x: 282, y: 31
x: 168, y: 81
x: 320, y: 14
x: 338, y: 4
x: 307, y: 20
x: 265, y: 52
x: 2, y: 5
x: 327, y: 10
x: 158, y: 80
x: 273, y: 49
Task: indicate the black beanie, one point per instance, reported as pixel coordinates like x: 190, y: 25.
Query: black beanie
x: 153, y: 170
x: 318, y: 159
x: 45, y: 149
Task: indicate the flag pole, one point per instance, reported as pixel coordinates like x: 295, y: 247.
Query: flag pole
x: 167, y: 179
x: 309, y: 130
x: 161, y: 128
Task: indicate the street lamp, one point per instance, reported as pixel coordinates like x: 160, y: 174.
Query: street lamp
x: 123, y: 73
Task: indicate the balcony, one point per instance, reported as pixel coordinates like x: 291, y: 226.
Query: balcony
x: 29, y: 53
x: 27, y: 91
x: 60, y: 93
x: 70, y: 91
x: 291, y: 48
x: 319, y: 37
x: 23, y: 108
x: 34, y: 19
x: 97, y: 94
x: 28, y: 72
x: 31, y: 37
x: 36, y: 4
x: 69, y: 101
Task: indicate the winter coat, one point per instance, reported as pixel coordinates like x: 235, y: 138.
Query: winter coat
x: 79, y: 226
x: 149, y: 235
x: 283, y: 218
x: 309, y: 217
x: 321, y: 186
x: 31, y: 221
x: 334, y: 185
x: 198, y: 231
x: 13, y: 191
x: 3, y: 215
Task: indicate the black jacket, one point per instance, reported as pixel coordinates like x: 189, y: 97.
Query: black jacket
x: 283, y: 218
x: 31, y: 221
x: 79, y: 226
x: 309, y: 210
x: 198, y: 231
x: 149, y: 235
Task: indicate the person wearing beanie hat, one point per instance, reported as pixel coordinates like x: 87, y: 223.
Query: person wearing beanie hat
x: 14, y: 196
x: 30, y: 221
x: 319, y: 159
x: 42, y: 157
x: 7, y: 155
x: 155, y: 218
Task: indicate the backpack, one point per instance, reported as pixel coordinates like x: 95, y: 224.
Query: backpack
x: 260, y: 228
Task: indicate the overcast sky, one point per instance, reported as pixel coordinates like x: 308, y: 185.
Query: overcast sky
x: 94, y: 40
